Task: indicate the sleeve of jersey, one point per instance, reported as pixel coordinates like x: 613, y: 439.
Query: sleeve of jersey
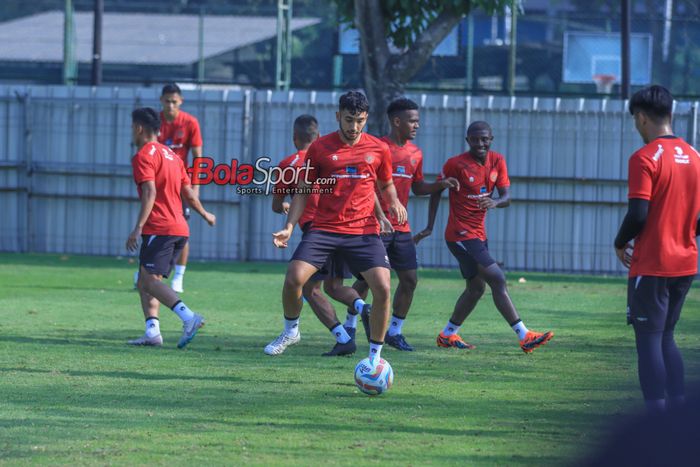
x: 384, y: 170
x: 312, y: 163
x: 503, y: 180
x: 144, y: 169
x: 418, y: 175
x: 640, y: 177
x: 196, y: 136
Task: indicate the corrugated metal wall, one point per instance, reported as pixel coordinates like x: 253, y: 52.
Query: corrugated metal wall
x: 65, y: 177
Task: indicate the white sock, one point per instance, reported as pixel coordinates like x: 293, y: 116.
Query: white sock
x: 520, y: 330
x: 375, y: 350
x: 450, y: 328
x: 179, y: 271
x: 152, y: 327
x: 341, y: 335
x: 181, y: 310
x: 358, y: 304
x: 291, y: 326
x: 395, y: 325
x: 351, y: 321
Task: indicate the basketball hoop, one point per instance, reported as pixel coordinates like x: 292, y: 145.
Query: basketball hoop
x: 604, y: 83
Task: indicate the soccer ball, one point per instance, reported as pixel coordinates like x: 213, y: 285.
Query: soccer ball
x: 374, y: 379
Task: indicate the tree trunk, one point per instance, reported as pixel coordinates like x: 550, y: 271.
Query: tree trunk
x: 385, y: 75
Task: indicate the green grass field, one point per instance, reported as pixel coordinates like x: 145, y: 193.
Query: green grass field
x: 72, y: 392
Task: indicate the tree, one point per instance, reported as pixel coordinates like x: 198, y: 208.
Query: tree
x: 415, y: 27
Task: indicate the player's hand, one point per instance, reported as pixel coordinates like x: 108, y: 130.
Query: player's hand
x: 421, y: 235
x: 210, y: 218
x: 450, y: 183
x: 398, y: 212
x: 132, y: 242
x: 385, y: 227
x: 624, y: 254
x: 285, y: 207
x: 486, y: 203
x: 280, y: 239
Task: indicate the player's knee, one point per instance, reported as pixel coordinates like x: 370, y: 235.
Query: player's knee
x: 293, y: 281
x: 476, y: 288
x: 381, y: 291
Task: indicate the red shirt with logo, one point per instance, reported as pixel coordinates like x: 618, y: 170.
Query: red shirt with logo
x: 466, y: 219
x: 181, y: 134
x: 297, y: 160
x: 407, y: 167
x: 156, y: 162
x: 355, y: 169
x: 666, y: 172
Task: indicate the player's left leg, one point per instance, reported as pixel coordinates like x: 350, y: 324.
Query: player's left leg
x: 673, y: 360
x: 403, y: 259
x: 348, y: 296
x: 177, y: 283
x: 324, y: 311
x: 150, y: 306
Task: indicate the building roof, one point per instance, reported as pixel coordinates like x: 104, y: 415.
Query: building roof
x: 149, y: 39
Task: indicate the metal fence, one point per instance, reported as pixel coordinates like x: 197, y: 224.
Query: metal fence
x: 66, y: 186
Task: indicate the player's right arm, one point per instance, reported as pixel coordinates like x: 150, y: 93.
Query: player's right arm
x: 148, y: 199
x: 435, y: 203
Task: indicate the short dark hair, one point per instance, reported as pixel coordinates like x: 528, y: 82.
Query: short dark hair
x: 399, y: 105
x: 655, y: 101
x: 146, y: 117
x: 477, y: 126
x: 171, y: 88
x: 354, y: 102
x: 306, y: 128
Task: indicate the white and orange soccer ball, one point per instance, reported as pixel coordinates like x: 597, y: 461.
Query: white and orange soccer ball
x: 374, y: 378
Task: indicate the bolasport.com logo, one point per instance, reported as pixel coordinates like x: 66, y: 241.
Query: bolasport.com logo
x: 259, y: 178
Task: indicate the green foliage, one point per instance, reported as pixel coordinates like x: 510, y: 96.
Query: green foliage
x: 405, y: 20
x: 71, y: 391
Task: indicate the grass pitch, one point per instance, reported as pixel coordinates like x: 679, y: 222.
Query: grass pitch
x: 72, y: 392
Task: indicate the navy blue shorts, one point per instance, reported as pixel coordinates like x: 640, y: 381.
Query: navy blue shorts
x: 654, y: 303
x: 401, y: 251
x: 470, y: 255
x: 334, y: 267
x: 159, y: 253
x: 359, y: 252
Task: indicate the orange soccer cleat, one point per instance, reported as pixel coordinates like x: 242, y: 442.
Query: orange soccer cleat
x: 535, y: 339
x: 453, y: 341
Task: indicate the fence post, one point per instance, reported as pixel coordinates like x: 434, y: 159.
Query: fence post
x: 693, y: 126
x: 27, y: 244
x: 245, y: 206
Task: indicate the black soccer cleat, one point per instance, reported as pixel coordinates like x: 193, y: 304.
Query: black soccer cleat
x: 398, y: 342
x: 364, y: 316
x: 339, y: 349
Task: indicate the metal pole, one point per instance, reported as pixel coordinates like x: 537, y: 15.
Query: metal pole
x: 69, y: 67
x: 288, y: 54
x: 626, y: 27
x: 97, y: 42
x: 470, y: 52
x: 513, y: 46
x: 283, y: 64
x: 200, y: 62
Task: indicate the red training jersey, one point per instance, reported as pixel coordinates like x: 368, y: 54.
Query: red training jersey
x: 350, y: 208
x: 181, y: 134
x: 466, y: 219
x: 666, y: 172
x: 407, y: 167
x: 297, y: 160
x: 158, y: 163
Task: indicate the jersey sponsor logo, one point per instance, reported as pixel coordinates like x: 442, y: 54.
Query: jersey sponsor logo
x: 658, y: 153
x: 400, y: 169
x: 351, y: 170
x: 482, y: 190
x: 679, y: 157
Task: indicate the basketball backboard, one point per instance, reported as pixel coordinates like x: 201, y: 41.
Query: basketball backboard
x: 587, y: 54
